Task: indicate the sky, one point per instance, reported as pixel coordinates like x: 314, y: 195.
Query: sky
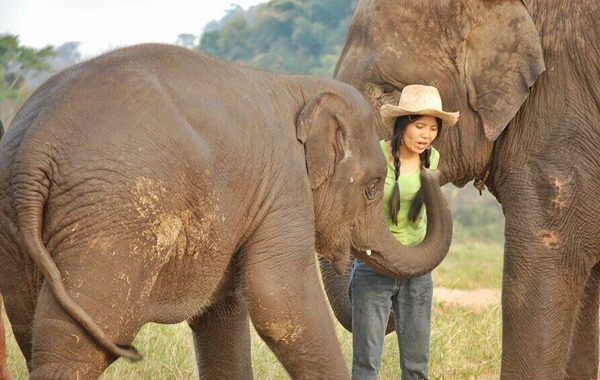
x: 100, y: 25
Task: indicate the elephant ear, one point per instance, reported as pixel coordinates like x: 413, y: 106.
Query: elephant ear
x: 501, y: 58
x: 320, y: 129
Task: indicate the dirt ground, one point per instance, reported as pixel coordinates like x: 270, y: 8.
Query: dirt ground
x: 473, y: 299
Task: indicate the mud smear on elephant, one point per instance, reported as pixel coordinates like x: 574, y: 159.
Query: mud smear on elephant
x: 165, y: 227
x: 287, y: 332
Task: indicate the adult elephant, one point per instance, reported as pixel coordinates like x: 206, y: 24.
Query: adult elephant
x: 525, y: 76
x: 152, y: 184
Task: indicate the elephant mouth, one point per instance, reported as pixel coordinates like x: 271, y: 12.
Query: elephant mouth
x: 361, y: 252
x: 339, y: 256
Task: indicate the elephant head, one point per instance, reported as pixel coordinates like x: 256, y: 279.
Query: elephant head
x: 482, y: 56
x: 346, y: 171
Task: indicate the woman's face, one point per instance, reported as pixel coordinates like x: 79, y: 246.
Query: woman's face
x: 419, y: 134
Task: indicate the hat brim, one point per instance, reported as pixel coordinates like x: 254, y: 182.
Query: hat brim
x: 389, y: 114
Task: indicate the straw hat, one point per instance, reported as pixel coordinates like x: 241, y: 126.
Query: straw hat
x: 417, y: 99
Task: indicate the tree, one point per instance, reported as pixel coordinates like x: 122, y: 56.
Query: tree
x: 187, y: 40
x: 16, y: 61
x: 297, y: 36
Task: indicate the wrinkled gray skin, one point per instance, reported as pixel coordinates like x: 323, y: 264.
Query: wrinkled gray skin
x: 152, y: 184
x: 526, y: 80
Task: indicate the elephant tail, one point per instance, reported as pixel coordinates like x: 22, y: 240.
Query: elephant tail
x: 31, y: 183
x: 1, y: 129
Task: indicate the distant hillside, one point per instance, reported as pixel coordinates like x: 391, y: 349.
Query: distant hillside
x: 296, y: 36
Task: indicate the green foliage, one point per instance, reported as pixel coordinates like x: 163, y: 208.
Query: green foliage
x: 186, y: 40
x: 475, y: 217
x: 16, y: 61
x: 296, y: 36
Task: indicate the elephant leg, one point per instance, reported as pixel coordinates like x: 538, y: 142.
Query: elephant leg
x: 539, y: 309
x: 20, y: 286
x: 4, y: 374
x: 20, y: 311
x: 112, y: 294
x: 23, y: 336
x: 287, y: 305
x: 63, y: 349
x: 583, y: 356
x: 222, y: 339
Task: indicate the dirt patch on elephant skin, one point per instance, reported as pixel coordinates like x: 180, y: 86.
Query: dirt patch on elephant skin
x: 287, y: 332
x: 476, y: 300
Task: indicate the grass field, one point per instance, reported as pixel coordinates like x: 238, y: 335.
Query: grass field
x: 465, y: 343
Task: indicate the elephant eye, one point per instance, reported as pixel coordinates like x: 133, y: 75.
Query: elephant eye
x: 387, y: 88
x: 373, y: 189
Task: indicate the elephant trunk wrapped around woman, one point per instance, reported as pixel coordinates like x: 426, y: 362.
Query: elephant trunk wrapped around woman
x: 152, y: 184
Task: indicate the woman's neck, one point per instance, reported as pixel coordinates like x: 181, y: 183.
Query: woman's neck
x: 410, y: 161
x: 407, y: 155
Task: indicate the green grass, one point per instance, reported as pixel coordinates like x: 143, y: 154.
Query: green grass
x: 465, y: 344
x: 471, y: 266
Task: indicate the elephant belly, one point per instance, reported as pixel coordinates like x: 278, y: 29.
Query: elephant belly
x: 186, y: 286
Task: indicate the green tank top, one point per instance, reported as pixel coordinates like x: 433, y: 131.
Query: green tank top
x: 407, y: 232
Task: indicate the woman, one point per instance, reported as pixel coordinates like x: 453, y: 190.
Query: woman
x: 415, y: 123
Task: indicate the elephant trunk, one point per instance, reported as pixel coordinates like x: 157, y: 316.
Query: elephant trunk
x: 388, y: 256
x: 380, y: 250
x: 336, y: 288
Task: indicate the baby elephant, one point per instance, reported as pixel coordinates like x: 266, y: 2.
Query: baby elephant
x: 153, y: 184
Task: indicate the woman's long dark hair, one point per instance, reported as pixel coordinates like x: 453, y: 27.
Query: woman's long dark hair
x: 417, y: 203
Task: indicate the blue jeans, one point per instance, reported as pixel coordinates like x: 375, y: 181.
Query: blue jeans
x: 373, y: 296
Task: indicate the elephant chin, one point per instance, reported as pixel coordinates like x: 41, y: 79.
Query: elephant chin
x: 339, y: 264
x: 336, y: 249
x: 338, y: 261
